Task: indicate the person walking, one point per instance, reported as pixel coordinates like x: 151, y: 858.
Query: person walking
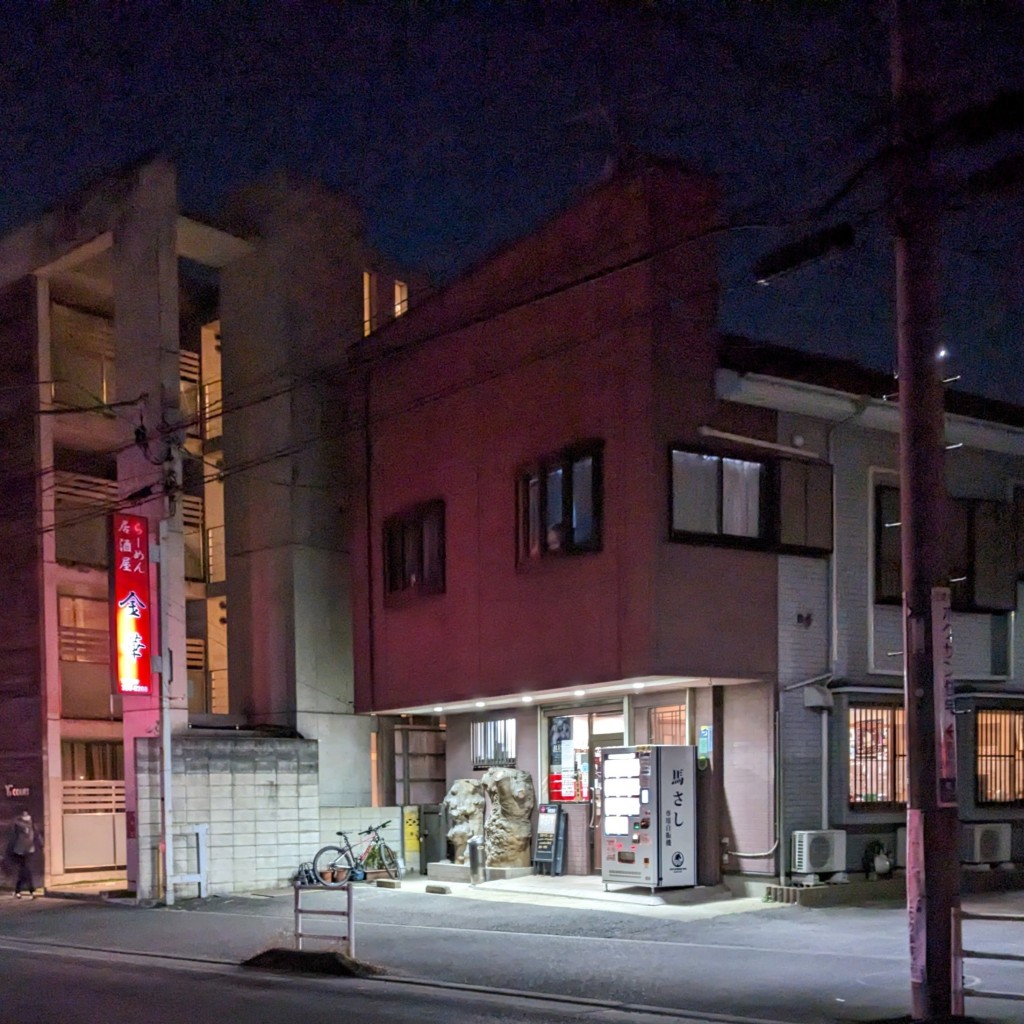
x: 20, y: 848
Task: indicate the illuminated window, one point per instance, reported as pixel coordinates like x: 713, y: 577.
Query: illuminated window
x: 89, y: 760
x: 781, y: 503
x: 493, y: 743
x: 999, y: 740
x: 668, y: 724
x: 878, y: 757
x: 401, y: 298
x: 561, y: 503
x: 369, y: 302
x: 84, y: 629
x: 414, y: 550
x: 716, y: 496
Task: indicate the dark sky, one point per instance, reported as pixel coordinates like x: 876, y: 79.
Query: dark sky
x: 458, y: 126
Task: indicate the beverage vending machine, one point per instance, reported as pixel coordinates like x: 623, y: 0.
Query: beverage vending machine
x: 648, y: 816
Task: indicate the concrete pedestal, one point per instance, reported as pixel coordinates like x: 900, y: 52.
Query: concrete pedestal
x: 446, y: 871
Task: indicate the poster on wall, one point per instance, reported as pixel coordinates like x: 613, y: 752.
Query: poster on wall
x: 945, y: 698
x: 131, y: 605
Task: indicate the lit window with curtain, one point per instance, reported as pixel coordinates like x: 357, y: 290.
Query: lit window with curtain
x: 717, y: 496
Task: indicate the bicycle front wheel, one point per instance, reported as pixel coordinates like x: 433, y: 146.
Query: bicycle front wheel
x: 332, y: 866
x: 389, y: 860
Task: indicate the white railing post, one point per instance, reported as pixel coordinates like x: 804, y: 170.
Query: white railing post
x: 957, y: 990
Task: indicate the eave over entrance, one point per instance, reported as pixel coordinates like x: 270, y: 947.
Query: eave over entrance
x: 569, y: 694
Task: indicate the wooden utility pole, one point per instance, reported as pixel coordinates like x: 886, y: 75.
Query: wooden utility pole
x: 933, y: 867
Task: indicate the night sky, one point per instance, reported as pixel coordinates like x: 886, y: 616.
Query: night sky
x: 458, y: 126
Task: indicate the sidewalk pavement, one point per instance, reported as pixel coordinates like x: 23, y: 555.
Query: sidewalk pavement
x: 588, y: 892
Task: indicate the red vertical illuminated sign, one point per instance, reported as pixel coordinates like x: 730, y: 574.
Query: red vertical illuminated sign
x: 130, y: 607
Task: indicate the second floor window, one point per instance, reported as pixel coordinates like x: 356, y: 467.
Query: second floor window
x: 979, y: 552
x: 717, y: 496
x: 561, y: 502
x: 777, y: 503
x: 414, y: 550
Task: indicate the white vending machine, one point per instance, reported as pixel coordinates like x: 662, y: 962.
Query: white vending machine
x: 649, y: 816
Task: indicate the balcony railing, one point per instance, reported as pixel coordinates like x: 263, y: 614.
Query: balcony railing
x: 216, y: 557
x: 93, y: 796
x: 75, y: 643
x: 81, y: 506
x: 213, y: 410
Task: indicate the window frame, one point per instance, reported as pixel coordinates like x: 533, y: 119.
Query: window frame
x: 533, y: 534
x: 781, y: 505
x: 896, y: 756
x: 398, y: 530
x: 1013, y: 759
x: 966, y: 524
x: 369, y: 302
x: 763, y: 537
x: 486, y: 736
x: 401, y: 298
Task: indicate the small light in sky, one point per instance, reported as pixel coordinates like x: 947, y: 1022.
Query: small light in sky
x: 943, y: 353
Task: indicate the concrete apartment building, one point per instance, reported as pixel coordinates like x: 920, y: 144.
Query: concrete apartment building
x: 590, y: 517
x: 157, y: 366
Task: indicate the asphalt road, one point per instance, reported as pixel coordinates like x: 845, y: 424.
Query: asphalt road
x: 39, y: 987
x: 784, y: 963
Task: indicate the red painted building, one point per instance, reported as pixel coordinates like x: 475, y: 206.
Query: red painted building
x: 536, y: 545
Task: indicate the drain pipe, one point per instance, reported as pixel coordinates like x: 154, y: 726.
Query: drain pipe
x: 780, y: 800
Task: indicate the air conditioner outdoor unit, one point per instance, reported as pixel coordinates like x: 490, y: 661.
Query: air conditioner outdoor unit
x: 818, y: 852
x: 986, y: 844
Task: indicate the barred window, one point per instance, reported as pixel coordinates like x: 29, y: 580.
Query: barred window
x: 999, y: 766
x: 668, y: 724
x: 878, y: 756
x: 493, y: 743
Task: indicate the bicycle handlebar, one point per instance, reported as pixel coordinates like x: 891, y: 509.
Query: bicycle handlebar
x: 375, y: 828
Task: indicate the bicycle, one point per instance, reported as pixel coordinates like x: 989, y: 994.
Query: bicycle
x: 335, y: 865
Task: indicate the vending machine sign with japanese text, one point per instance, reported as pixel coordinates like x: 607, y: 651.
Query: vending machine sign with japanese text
x: 130, y: 607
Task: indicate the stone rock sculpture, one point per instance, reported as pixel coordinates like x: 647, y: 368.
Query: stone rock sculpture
x: 508, y: 832
x: 464, y: 804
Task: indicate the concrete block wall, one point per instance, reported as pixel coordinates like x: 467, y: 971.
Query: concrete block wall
x: 259, y: 797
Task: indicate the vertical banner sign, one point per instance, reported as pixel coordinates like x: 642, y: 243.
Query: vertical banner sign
x: 130, y: 608
x: 945, y: 720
